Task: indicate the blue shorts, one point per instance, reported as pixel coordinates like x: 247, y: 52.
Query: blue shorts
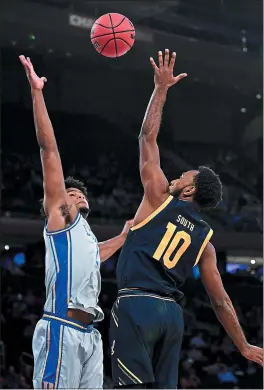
x: 146, y: 333
x: 66, y: 354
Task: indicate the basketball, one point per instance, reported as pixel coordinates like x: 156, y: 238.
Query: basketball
x: 113, y: 35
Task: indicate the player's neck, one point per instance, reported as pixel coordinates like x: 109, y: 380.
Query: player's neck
x: 84, y: 213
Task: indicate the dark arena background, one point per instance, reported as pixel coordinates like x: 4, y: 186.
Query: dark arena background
x: 97, y: 104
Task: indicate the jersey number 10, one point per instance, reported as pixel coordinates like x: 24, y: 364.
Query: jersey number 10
x: 163, y: 246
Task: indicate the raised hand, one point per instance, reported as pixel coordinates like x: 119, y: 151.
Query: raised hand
x: 35, y: 82
x: 253, y: 353
x: 164, y: 71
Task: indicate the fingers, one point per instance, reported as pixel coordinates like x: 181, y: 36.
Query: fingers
x: 44, y: 79
x: 26, y: 62
x: 256, y: 355
x: 22, y: 58
x: 153, y: 64
x: 168, y: 62
x: 160, y: 57
x: 29, y: 63
x: 179, y: 77
x: 172, y: 61
x: 260, y: 356
x: 166, y: 57
x: 258, y: 360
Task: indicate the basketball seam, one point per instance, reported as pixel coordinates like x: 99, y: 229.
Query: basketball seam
x: 124, y: 41
x: 110, y: 33
x: 113, y: 32
x: 99, y: 24
x: 105, y: 45
x: 116, y: 39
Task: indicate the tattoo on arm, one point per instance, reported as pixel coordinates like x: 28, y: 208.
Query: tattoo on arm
x: 152, y: 119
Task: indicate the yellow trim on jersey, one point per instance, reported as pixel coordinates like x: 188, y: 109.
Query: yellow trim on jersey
x: 207, y: 239
x: 47, y: 352
x: 151, y: 216
x: 127, y: 370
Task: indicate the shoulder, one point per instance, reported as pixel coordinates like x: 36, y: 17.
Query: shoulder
x: 147, y: 210
x: 209, y: 255
x: 57, y: 223
x: 210, y: 248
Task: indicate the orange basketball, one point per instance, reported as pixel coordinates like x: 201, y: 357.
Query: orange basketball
x: 113, y: 35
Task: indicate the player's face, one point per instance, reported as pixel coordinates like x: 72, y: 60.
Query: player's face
x: 183, y: 186
x: 78, y: 198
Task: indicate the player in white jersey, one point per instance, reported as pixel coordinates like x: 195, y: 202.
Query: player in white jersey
x: 67, y: 349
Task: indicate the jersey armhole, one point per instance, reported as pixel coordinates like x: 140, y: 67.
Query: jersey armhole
x: 206, y: 240
x: 74, y: 223
x: 152, y: 215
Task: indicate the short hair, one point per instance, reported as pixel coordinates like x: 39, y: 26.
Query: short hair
x: 209, y: 190
x: 70, y: 182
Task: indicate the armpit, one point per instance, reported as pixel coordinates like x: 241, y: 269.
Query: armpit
x: 65, y: 212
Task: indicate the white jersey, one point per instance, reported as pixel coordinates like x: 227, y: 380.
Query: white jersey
x: 72, y: 264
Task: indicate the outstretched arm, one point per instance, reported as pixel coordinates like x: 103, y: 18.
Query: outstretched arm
x: 153, y: 179
x: 109, y: 247
x: 53, y: 179
x: 223, y: 306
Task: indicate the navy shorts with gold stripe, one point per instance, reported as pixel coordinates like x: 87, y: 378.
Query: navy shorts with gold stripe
x: 146, y: 334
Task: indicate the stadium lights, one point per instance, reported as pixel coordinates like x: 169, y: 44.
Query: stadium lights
x: 244, y: 40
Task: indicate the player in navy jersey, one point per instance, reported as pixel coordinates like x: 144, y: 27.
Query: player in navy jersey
x: 67, y: 348
x: 167, y: 239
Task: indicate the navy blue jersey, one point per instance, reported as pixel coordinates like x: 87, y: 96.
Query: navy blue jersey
x: 160, y: 252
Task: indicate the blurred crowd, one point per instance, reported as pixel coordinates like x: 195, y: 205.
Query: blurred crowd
x: 105, y: 157
x: 111, y: 193
x: 208, y: 357
x: 115, y: 193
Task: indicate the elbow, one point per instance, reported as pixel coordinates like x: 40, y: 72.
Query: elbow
x: 147, y: 134
x: 42, y: 148
x: 142, y: 137
x: 48, y: 149
x: 220, y: 303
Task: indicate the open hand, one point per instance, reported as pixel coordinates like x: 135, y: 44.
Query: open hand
x: 253, y: 353
x: 127, y: 227
x: 34, y: 81
x: 164, y: 72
